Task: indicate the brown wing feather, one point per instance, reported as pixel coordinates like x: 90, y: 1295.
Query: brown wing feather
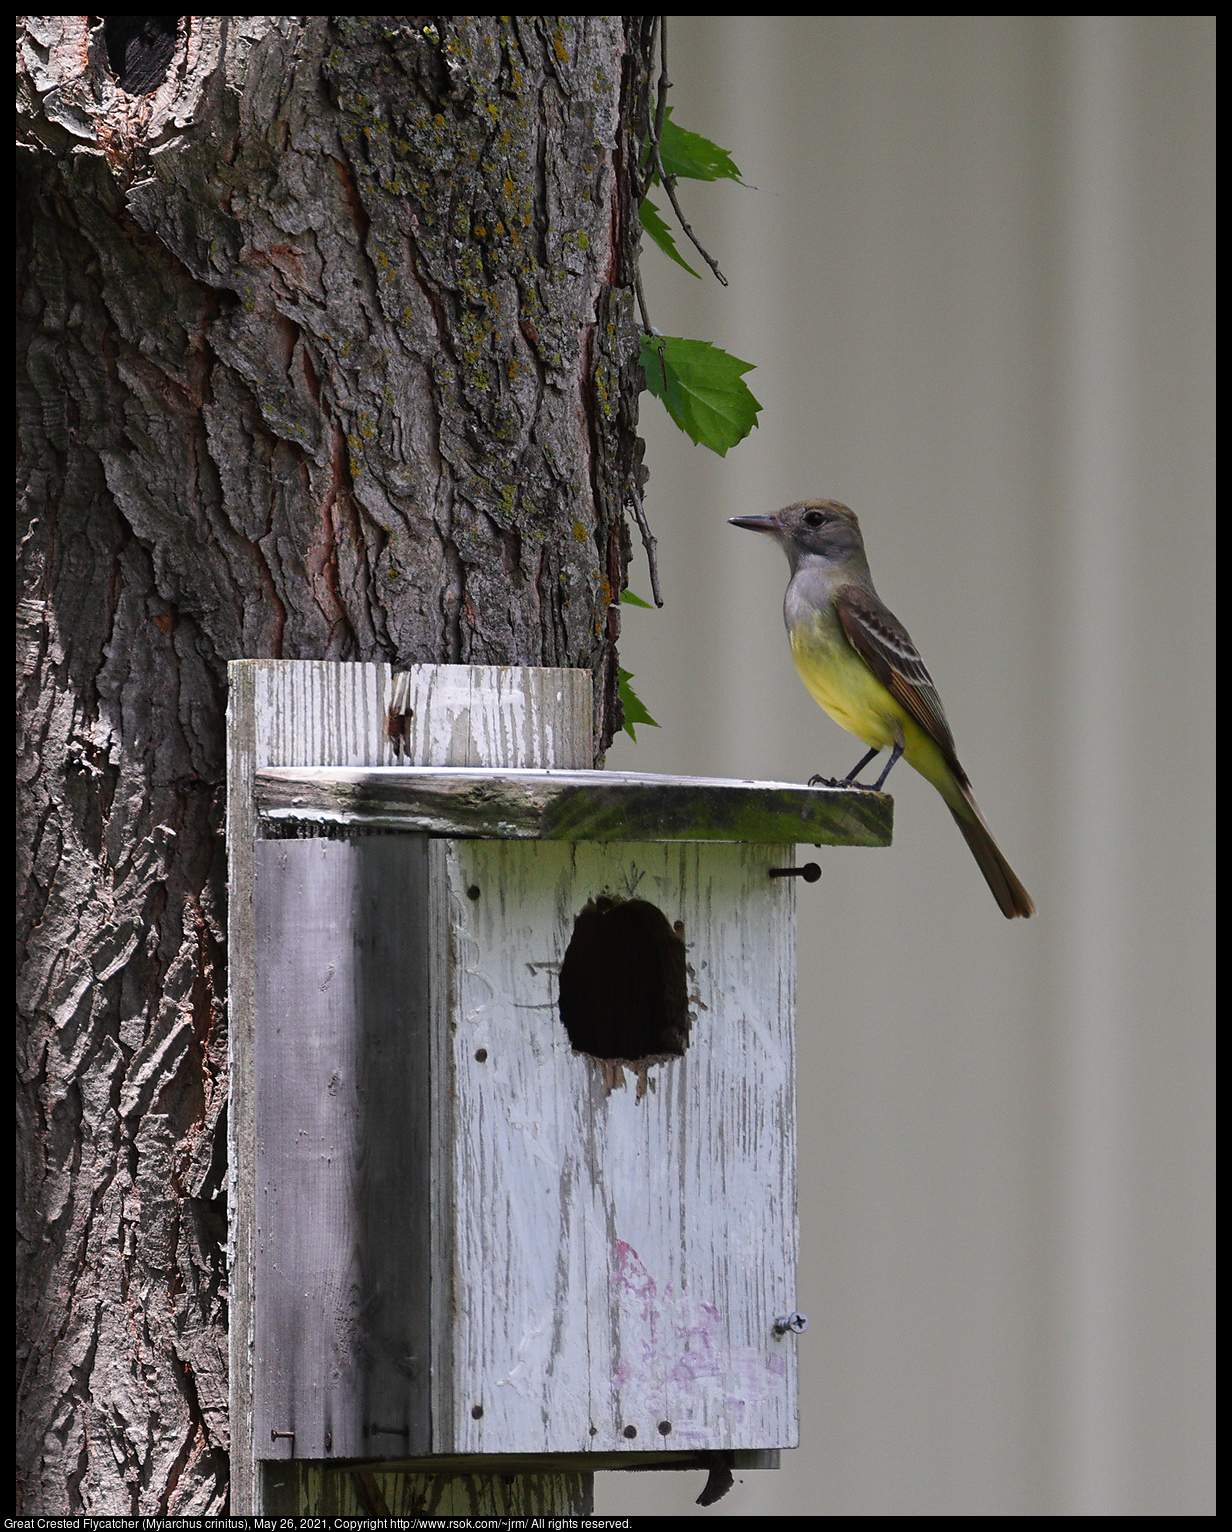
x: 885, y: 646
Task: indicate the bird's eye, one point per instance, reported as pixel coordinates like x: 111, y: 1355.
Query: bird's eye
x: 813, y: 518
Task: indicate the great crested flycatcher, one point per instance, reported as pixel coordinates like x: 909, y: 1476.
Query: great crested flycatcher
x: 858, y: 661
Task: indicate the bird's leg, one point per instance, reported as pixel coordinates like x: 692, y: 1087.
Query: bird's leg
x: 850, y: 779
x: 894, y: 755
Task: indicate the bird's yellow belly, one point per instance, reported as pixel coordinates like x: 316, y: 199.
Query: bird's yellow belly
x: 840, y: 681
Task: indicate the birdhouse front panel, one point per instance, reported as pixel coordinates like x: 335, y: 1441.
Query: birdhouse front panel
x: 615, y: 1149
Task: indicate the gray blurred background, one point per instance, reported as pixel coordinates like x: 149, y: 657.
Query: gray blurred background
x: 976, y: 279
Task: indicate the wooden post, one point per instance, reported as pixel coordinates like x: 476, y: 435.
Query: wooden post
x: 307, y: 713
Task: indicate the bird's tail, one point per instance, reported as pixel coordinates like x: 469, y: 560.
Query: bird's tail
x: 999, y: 875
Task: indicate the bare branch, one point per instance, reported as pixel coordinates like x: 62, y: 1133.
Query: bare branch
x: 649, y: 542
x: 665, y: 83
x: 669, y: 182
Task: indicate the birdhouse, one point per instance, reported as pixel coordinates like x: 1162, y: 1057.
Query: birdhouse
x: 513, y: 1114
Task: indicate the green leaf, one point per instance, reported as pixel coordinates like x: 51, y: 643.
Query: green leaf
x: 689, y: 154
x: 703, y: 390
x: 652, y: 222
x: 629, y: 599
x: 634, y: 707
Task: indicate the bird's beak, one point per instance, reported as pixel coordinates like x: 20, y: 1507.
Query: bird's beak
x: 757, y: 524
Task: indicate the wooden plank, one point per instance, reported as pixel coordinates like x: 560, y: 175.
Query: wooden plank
x: 342, y: 1249
x: 578, y: 805
x: 279, y: 713
x: 294, y: 713
x: 498, y: 715
x: 755, y: 1459
x: 640, y: 1221
x: 241, y: 1108
x: 514, y: 1489
x: 318, y: 712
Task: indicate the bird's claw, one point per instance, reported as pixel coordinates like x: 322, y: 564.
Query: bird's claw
x: 859, y: 787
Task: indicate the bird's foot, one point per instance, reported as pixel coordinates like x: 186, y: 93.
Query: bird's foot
x: 860, y: 787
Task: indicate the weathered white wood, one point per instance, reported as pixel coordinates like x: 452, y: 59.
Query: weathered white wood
x: 509, y: 716
x: 335, y: 714
x: 294, y: 713
x: 241, y: 1071
x: 279, y: 713
x: 318, y: 712
x: 342, y: 1238
x: 624, y: 1238
x: 573, y: 805
x: 608, y: 1246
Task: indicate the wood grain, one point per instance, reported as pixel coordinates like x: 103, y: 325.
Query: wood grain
x: 569, y: 806
x: 342, y: 1155
x: 624, y: 1237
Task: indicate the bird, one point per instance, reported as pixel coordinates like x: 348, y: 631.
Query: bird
x: 859, y: 663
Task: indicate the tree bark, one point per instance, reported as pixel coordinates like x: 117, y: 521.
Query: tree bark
x: 328, y: 351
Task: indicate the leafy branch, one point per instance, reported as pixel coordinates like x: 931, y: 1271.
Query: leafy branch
x: 688, y: 371
x: 701, y: 386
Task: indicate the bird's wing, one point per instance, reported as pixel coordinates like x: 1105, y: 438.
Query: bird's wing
x: 885, y: 646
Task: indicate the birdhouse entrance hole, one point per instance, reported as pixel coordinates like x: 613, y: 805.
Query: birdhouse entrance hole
x: 623, y: 988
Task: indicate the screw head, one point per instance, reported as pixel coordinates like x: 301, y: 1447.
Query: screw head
x: 796, y: 1323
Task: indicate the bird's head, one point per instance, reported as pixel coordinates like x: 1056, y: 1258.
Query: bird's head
x: 811, y: 529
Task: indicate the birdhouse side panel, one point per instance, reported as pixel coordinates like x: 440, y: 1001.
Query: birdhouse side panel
x: 624, y: 1232
x: 342, y: 1247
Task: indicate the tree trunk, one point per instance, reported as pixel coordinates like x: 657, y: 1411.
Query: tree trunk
x: 328, y: 352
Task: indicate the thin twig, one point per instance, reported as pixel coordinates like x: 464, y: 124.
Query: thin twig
x: 669, y: 182
x: 660, y: 341
x: 638, y: 194
x: 664, y: 83
x: 669, y: 185
x: 641, y: 303
x: 648, y: 542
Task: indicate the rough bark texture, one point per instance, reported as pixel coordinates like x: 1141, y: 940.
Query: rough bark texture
x: 327, y: 351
